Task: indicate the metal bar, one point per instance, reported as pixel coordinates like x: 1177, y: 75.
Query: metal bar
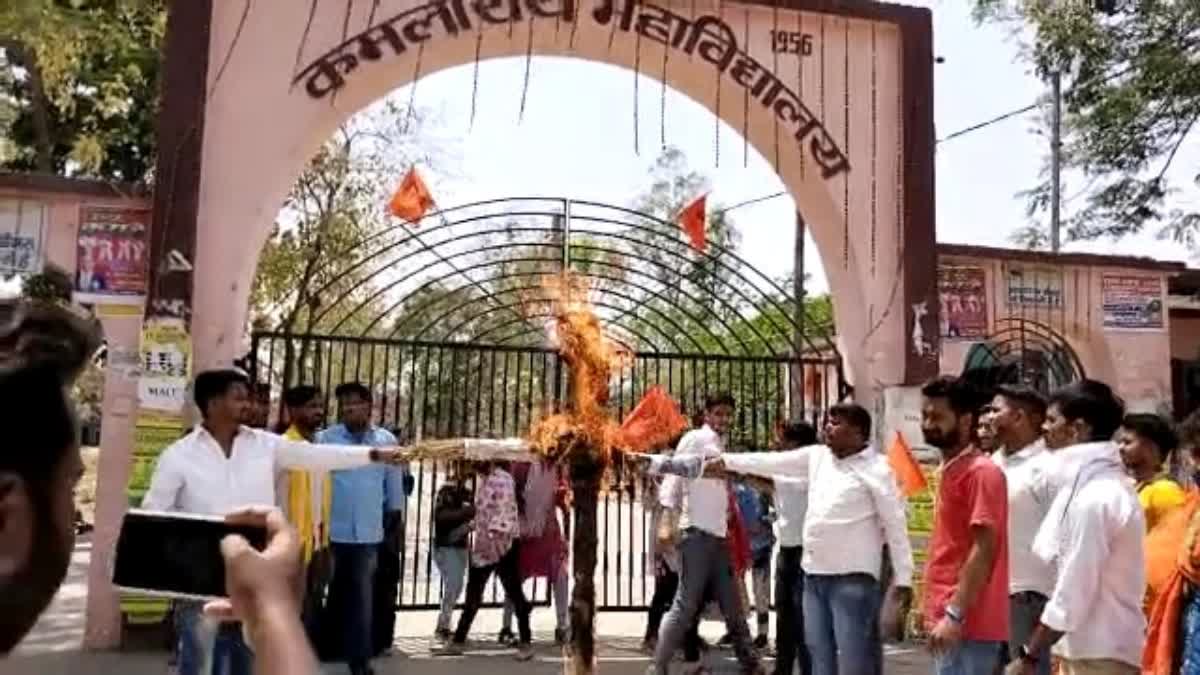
x: 478, y: 396
x: 437, y: 415
x: 383, y: 402
x: 453, y: 388
x: 491, y: 428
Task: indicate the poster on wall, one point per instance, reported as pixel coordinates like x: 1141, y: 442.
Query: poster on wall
x: 1034, y: 288
x: 963, y: 294
x: 112, y: 252
x: 1132, y: 302
x: 22, y: 228
x: 166, y: 366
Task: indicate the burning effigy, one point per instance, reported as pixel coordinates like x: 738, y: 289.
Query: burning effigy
x: 582, y: 435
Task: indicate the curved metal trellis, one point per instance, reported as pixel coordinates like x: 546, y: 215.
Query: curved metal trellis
x: 655, y: 265
x: 1025, y: 352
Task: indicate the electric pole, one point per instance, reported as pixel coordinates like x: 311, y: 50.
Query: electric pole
x: 1055, y: 160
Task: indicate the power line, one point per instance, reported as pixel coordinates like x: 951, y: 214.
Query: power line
x: 987, y: 123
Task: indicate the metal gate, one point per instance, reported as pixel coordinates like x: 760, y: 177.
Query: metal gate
x: 478, y: 365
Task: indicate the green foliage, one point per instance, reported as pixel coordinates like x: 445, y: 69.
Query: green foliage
x: 1131, y: 83
x: 78, y: 86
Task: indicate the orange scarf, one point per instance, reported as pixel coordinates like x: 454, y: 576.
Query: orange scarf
x: 1172, y: 562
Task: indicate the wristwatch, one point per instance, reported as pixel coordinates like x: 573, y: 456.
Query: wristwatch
x: 1026, y: 655
x: 954, y: 614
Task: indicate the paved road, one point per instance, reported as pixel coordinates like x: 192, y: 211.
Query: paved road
x: 53, y: 647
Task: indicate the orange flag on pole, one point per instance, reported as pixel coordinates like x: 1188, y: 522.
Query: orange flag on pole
x: 694, y: 221
x: 412, y: 199
x: 904, y: 465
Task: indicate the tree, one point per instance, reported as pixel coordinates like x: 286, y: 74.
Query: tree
x: 314, y: 274
x: 1131, y: 85
x: 78, y: 86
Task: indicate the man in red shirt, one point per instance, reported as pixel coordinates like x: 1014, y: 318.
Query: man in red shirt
x: 966, y: 575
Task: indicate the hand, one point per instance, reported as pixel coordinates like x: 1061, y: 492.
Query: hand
x: 895, y: 609
x: 946, y: 635
x: 394, y: 456
x: 260, y: 583
x: 1019, y: 667
x: 714, y: 468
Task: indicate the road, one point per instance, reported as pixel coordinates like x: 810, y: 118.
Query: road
x: 53, y: 647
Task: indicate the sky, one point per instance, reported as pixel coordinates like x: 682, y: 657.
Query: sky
x: 545, y: 153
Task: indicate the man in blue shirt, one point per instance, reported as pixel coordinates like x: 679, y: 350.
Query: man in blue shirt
x: 362, y: 500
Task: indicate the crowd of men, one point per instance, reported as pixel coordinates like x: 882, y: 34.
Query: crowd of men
x: 1039, y: 558
x: 1061, y: 539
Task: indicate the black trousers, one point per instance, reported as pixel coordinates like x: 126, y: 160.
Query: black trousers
x: 385, y: 593
x: 510, y: 578
x: 789, y: 613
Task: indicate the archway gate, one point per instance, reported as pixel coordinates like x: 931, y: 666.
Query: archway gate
x: 838, y: 95
x: 471, y: 359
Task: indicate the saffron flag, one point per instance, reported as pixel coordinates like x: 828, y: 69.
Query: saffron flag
x: 412, y: 199
x: 693, y: 219
x: 904, y: 465
x: 653, y: 422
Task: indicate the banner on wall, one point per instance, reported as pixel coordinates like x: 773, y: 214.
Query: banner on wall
x: 166, y: 366
x: 1132, y: 302
x: 165, y: 369
x: 963, y: 294
x: 1034, y: 288
x: 112, y: 252
x: 22, y: 230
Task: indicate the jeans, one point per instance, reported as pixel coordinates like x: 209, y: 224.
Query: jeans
x: 452, y: 563
x: 353, y: 585
x: 208, y: 648
x: 510, y: 579
x: 760, y: 585
x: 789, y: 613
x: 1024, y: 613
x: 970, y: 657
x: 839, y: 613
x: 705, y: 567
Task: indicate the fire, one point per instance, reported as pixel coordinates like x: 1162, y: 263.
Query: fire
x: 591, y: 359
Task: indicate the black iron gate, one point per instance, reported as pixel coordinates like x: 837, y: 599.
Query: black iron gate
x: 427, y: 390
x: 451, y: 344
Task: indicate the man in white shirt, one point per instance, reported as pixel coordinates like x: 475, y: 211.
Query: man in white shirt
x: 704, y: 552
x: 1093, y: 533
x: 1016, y: 417
x: 791, y: 503
x: 854, y: 508
x: 220, y: 467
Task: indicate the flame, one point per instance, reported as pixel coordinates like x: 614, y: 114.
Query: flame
x: 591, y: 359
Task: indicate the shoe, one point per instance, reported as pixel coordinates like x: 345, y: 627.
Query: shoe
x: 725, y: 642
x: 448, y: 649
x: 524, y: 652
x: 443, y: 635
x: 560, y: 636
x: 506, y: 637
x: 760, y: 642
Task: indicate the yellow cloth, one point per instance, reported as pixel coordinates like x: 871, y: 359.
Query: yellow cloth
x: 1159, y: 496
x: 300, y: 505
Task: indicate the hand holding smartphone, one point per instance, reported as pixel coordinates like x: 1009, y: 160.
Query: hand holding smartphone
x: 177, y: 555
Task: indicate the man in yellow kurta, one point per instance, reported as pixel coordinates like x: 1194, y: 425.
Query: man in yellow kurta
x: 306, y: 499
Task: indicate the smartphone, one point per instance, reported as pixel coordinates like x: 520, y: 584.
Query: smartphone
x: 176, y: 555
